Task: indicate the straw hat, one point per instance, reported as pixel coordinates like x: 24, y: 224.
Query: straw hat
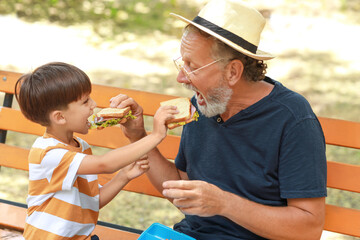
x: 234, y: 23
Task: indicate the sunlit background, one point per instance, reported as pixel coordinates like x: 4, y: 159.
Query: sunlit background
x: 131, y: 43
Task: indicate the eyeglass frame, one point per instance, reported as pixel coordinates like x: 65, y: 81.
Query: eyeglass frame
x: 180, y: 67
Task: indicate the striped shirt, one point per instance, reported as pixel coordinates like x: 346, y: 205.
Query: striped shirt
x: 61, y: 204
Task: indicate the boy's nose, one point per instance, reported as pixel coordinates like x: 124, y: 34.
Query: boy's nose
x: 93, y: 105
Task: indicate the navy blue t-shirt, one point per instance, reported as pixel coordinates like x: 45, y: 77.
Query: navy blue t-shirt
x: 267, y: 153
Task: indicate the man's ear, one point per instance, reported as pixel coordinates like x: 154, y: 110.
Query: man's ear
x: 234, y: 71
x: 57, y: 117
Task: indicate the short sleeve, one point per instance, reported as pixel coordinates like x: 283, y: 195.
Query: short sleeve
x: 302, y: 161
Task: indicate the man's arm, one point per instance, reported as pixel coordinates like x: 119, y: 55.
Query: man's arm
x: 301, y: 219
x: 161, y: 169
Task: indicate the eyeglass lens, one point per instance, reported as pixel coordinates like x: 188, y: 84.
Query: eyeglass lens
x: 180, y: 65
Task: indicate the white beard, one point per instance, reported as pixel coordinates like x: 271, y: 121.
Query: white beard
x: 216, y: 101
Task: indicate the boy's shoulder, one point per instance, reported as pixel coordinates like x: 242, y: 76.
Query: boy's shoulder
x: 49, y: 150
x: 44, y: 142
x: 48, y: 142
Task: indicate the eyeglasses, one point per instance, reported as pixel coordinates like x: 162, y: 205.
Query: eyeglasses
x: 180, y: 65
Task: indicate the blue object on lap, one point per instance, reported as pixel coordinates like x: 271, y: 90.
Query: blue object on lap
x: 158, y: 231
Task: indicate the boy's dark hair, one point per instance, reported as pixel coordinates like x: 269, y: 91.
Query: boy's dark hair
x: 50, y: 87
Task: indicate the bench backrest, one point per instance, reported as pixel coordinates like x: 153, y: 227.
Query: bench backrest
x: 337, y: 132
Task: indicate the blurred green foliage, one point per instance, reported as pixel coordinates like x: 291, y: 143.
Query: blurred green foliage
x: 107, y: 17
x: 352, y: 5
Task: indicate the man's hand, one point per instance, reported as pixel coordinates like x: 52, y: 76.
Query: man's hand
x: 133, y: 129
x: 195, y: 197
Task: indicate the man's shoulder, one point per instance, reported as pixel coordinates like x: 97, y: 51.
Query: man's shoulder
x: 292, y: 102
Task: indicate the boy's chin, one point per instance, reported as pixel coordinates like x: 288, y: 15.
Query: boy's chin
x: 84, y: 131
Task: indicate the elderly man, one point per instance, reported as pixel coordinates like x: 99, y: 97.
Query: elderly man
x: 253, y: 166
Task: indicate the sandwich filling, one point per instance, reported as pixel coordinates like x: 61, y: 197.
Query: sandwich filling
x: 103, y: 122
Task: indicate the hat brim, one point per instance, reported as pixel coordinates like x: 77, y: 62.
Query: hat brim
x: 260, y: 55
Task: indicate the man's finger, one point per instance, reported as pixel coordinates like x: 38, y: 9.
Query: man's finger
x: 181, y: 184
x: 176, y: 193
x: 115, y: 101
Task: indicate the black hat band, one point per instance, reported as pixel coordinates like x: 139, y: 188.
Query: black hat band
x: 226, y: 34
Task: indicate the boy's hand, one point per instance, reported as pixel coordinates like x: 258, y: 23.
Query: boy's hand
x: 133, y: 129
x: 162, y: 115
x: 137, y: 168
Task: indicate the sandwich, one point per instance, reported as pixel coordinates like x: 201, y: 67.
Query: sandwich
x: 187, y: 112
x: 108, y: 117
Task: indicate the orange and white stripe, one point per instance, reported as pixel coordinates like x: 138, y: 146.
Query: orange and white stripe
x: 61, y: 204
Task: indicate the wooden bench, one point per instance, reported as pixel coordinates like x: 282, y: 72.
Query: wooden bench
x: 337, y: 132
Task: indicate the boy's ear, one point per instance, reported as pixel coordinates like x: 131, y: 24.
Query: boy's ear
x: 234, y: 71
x: 57, y: 117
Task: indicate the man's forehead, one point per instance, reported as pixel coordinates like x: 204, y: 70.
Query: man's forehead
x: 194, y: 41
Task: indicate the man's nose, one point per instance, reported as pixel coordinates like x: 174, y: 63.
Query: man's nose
x: 181, y: 78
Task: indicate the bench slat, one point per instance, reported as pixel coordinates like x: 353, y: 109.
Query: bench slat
x: 13, y: 120
x: 343, y: 176
x: 342, y: 220
x: 114, y: 234
x: 16, y: 157
x: 340, y: 175
x: 13, y: 217
x: 347, y: 131
x: 8, y: 80
x: 340, y: 132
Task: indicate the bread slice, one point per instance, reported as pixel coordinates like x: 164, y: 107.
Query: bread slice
x: 113, y: 112
x: 183, y: 106
x: 177, y: 124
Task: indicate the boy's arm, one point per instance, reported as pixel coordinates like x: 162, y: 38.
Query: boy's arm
x: 121, y: 157
x: 118, y: 158
x: 112, y: 188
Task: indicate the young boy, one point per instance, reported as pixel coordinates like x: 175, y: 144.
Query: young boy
x: 64, y: 196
